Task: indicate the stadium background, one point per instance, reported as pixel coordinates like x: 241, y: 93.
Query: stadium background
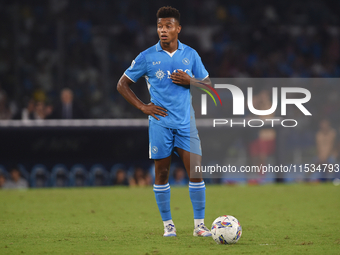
x: 87, y: 45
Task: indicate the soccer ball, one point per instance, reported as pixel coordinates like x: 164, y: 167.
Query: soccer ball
x: 226, y: 230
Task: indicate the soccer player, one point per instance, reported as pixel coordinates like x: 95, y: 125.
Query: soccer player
x: 169, y: 67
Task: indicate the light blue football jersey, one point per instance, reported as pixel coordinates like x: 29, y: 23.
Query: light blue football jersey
x: 156, y: 65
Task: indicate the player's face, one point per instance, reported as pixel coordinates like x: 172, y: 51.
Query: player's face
x: 168, y: 29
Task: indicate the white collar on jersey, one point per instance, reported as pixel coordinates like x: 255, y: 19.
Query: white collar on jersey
x: 170, y: 54
x: 159, y: 48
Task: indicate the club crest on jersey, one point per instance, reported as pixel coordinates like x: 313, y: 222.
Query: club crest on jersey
x: 185, y: 61
x: 160, y: 74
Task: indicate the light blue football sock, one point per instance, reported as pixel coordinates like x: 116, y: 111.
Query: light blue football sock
x: 162, y: 194
x: 197, y: 196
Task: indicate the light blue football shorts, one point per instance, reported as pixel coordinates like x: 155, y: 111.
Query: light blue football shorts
x: 163, y: 141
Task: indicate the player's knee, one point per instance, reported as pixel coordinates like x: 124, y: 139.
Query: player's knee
x: 162, y: 174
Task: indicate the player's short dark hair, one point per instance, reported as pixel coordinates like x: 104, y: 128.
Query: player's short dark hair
x: 168, y: 12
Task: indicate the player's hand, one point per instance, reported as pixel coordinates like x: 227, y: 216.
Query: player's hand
x: 180, y: 77
x: 152, y: 109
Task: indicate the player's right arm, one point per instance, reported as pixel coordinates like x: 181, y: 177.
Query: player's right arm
x: 124, y: 89
x: 138, y: 69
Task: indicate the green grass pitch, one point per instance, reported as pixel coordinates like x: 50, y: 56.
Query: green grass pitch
x: 276, y: 219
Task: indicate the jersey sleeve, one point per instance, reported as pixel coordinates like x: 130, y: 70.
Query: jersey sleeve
x: 198, y: 68
x: 137, y: 69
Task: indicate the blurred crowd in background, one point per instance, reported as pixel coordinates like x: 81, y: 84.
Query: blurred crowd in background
x: 17, y: 177
x: 62, y: 59
x: 86, y: 46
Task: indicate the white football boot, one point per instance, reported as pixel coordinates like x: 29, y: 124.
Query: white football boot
x: 170, y: 230
x: 201, y: 230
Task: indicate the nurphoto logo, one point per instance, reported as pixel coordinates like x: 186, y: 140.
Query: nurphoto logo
x: 239, y: 102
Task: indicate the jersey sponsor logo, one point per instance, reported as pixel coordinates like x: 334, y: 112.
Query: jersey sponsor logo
x: 160, y: 74
x: 186, y: 71
x: 185, y: 61
x: 156, y: 63
x: 154, y: 149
